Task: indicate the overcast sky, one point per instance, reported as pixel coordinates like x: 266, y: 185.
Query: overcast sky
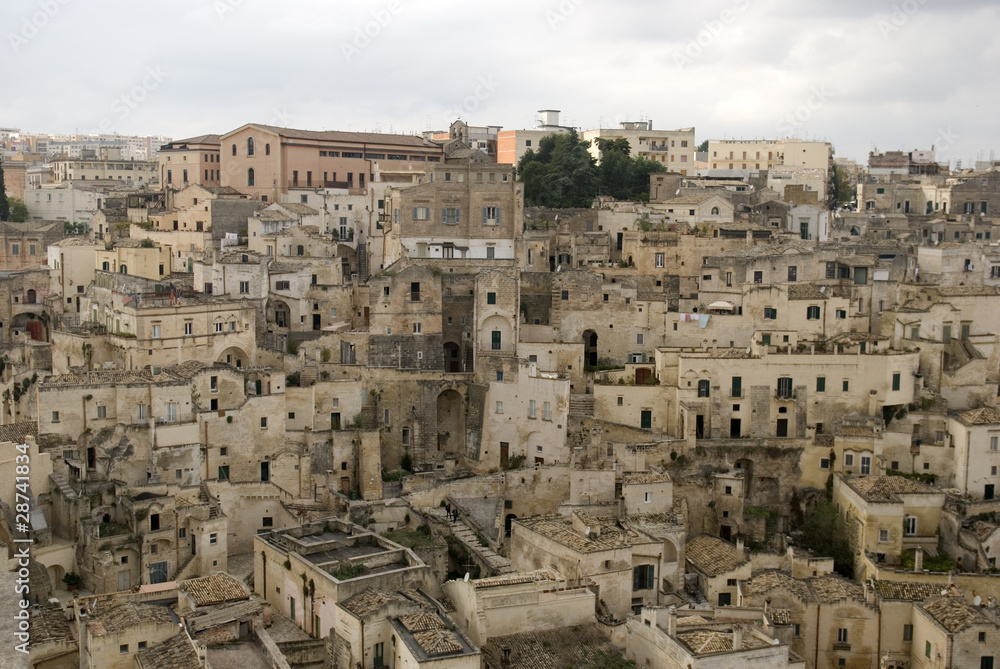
x: 891, y: 74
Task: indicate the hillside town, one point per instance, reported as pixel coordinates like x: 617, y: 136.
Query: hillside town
x: 621, y: 397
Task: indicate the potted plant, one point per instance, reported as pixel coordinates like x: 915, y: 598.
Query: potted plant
x: 72, y: 581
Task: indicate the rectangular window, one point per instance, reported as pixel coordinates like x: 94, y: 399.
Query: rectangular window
x: 218, y: 327
x: 848, y: 459
x: 421, y: 213
x: 188, y: 329
x: 244, y: 287
x: 793, y: 273
x: 491, y: 298
x: 841, y: 314
x: 847, y: 385
x: 824, y: 463
x: 213, y: 538
x: 907, y: 633
x: 491, y: 215
x: 546, y: 411
x: 154, y: 522
x: 450, y: 216
x: 895, y: 381
x: 102, y: 411
x: 55, y: 416
x: 417, y: 328
x: 703, y: 387
x: 770, y: 314
x: 821, y: 384
x: 927, y: 649
x: 785, y: 387
x: 812, y: 313
x: 659, y: 260
x: 644, y: 577
x: 736, y: 388
x: 910, y: 526
x: 499, y: 376
x: 224, y: 473
x: 993, y: 442
x: 123, y: 649
x: 495, y: 340
x: 639, y: 339
x: 758, y: 277
x: 499, y: 407
x: 883, y: 536
x: 385, y: 418
x: 531, y: 408
x: 414, y: 291
x: 842, y: 635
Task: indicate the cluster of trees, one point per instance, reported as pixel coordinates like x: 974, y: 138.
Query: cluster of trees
x: 11, y: 209
x: 563, y: 174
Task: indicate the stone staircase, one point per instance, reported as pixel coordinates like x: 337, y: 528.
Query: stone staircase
x: 581, y: 405
x: 63, y: 485
x: 497, y: 563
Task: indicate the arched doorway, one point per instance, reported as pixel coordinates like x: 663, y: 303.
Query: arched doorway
x: 507, y: 522
x: 32, y: 296
x: 590, y: 347
x: 452, y: 359
x: 279, y: 314
x: 234, y: 356
x: 450, y: 421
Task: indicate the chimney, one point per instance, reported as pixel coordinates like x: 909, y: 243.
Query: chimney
x: 790, y: 556
x: 622, y: 512
x: 672, y: 621
x: 918, y: 559
x: 737, y: 637
x: 739, y: 547
x: 872, y: 394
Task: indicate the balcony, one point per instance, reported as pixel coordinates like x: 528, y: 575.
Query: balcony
x: 737, y: 393
x: 784, y: 395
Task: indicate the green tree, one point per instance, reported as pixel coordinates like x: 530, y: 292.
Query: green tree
x: 703, y: 147
x: 4, y: 205
x: 622, y: 176
x: 560, y: 174
x: 842, y: 189
x: 824, y: 532
x: 18, y: 210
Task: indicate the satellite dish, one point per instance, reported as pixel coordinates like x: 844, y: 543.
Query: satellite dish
x: 775, y: 642
x: 588, y: 530
x: 978, y: 600
x: 748, y: 350
x: 466, y: 579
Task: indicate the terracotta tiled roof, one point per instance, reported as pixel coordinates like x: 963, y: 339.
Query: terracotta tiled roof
x: 833, y: 588
x: 215, y: 589
x: 914, y: 592
x: 369, y: 600
x: 712, y: 555
x: 579, y: 646
x: 642, y: 479
x: 885, y: 488
x: 177, y: 652
x: 556, y: 529
x: 708, y: 642
x: 692, y: 620
x: 120, y: 618
x: 981, y: 416
x: 960, y: 291
x: 516, y: 578
x: 765, y: 581
x: 49, y: 624
x: 16, y: 432
x: 805, y: 291
x: 340, y: 136
x: 983, y: 529
x: 438, y: 642
x: 421, y: 622
x: 955, y: 614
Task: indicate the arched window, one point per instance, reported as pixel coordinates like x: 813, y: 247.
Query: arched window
x: 267, y: 149
x: 123, y: 269
x: 250, y: 179
x: 249, y: 146
x: 234, y: 149
x: 715, y: 211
